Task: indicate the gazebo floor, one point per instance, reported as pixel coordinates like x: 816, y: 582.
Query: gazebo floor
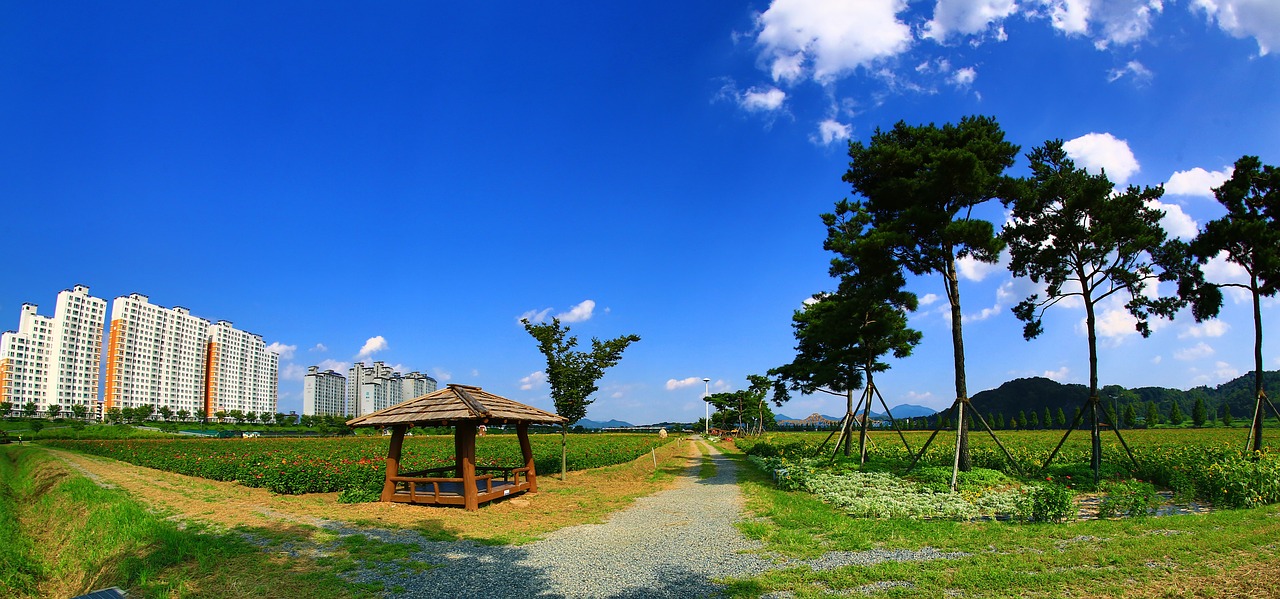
x: 451, y: 492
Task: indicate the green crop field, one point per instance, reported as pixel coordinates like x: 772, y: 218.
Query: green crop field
x: 296, y: 466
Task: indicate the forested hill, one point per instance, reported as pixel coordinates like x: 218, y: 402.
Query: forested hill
x: 1039, y: 393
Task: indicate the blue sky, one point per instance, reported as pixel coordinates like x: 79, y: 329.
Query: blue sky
x: 404, y: 183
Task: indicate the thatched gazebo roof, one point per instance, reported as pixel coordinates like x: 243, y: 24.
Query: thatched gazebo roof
x: 455, y: 404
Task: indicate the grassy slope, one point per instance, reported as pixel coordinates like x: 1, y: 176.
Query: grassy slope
x: 62, y: 535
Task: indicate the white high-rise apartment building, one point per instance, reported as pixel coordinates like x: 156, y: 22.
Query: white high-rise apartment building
x: 372, y: 388
x: 155, y: 356
x: 240, y: 373
x: 324, y: 393
x: 55, y: 361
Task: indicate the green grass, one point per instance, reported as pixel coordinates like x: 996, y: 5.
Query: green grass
x: 63, y: 535
x: 1008, y: 560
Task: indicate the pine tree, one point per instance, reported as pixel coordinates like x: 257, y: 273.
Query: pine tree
x: 1199, y: 415
x: 1153, y: 415
x: 1047, y: 420
x: 1130, y: 416
x: 1022, y: 419
x: 1061, y: 418
x: 1226, y: 415
x: 1035, y: 421
x: 1175, y: 415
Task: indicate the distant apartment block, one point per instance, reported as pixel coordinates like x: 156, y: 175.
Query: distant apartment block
x: 55, y: 361
x: 324, y: 393
x: 155, y: 356
x: 240, y: 373
x: 367, y: 389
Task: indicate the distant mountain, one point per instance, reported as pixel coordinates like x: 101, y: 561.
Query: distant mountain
x: 907, y: 410
x: 1038, y: 393
x: 585, y: 423
x: 899, y: 411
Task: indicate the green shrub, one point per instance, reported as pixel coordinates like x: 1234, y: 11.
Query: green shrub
x: 359, y: 495
x: 1127, y: 498
x: 1048, y: 502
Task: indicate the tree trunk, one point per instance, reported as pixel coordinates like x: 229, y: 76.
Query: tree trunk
x: 1090, y: 322
x: 957, y: 342
x: 1258, y: 412
x: 564, y: 460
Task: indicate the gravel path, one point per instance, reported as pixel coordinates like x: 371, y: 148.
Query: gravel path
x: 670, y: 544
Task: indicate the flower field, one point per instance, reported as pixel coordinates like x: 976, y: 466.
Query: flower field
x: 1207, y: 465
x: 296, y: 466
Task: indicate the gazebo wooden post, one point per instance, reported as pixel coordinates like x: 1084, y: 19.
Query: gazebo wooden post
x: 465, y: 442
x: 522, y: 432
x: 393, y: 460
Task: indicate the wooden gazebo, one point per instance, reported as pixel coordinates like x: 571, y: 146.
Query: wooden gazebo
x: 464, y: 408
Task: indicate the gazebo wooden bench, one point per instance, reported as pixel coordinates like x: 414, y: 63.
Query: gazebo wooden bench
x: 464, y: 408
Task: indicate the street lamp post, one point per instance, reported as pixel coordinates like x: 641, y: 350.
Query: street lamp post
x: 706, y: 392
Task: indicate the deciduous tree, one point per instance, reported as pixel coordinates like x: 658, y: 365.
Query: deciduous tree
x: 573, y: 374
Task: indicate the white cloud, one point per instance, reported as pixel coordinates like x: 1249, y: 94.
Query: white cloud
x: 824, y: 40
x: 928, y: 298
x: 534, y: 379
x: 983, y: 315
x: 579, y: 312
x: 1134, y: 69
x: 1198, y: 351
x: 1176, y: 222
x: 964, y: 77
x: 292, y: 372
x: 831, y: 131
x: 1221, y: 271
x: 1197, y: 182
x: 1209, y: 328
x: 1157, y: 359
x: 284, y: 351
x: 1057, y: 375
x: 1259, y: 19
x: 1224, y: 371
x: 1114, y: 323
x: 334, y: 365
x: 534, y: 316
x: 1069, y: 16
x: 762, y: 100
x: 966, y: 17
x: 673, y: 384
x: 972, y: 269
x: 914, y: 396
x: 372, y: 346
x: 320, y: 347
x: 442, y: 375
x: 1111, y: 22
x: 1099, y: 151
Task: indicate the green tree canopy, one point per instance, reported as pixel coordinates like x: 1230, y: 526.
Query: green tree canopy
x: 921, y: 184
x: 1248, y: 235
x: 572, y: 374
x: 1071, y: 233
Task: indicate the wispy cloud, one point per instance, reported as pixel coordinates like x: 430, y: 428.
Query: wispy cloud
x: 1209, y: 328
x: 534, y: 316
x: 535, y: 379
x: 293, y: 372
x: 319, y: 347
x: 1197, y: 352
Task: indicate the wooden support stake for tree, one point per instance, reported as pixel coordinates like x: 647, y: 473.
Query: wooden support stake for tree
x: 1054, y: 453
x: 1007, y: 455
x: 937, y: 428
x: 893, y: 420
x: 955, y: 471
